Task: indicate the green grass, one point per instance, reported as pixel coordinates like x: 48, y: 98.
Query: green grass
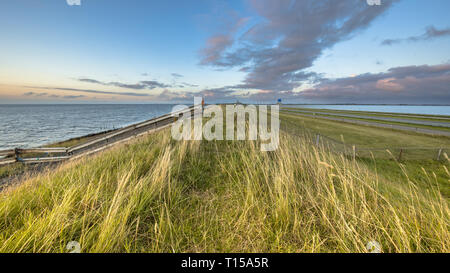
x: 420, y: 171
x: 159, y: 195
x: 12, y: 169
x: 76, y: 141
x: 364, y: 136
x: 439, y: 128
x: 378, y: 148
x: 441, y: 118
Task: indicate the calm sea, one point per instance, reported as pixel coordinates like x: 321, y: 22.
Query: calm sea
x: 28, y: 126
x: 405, y: 109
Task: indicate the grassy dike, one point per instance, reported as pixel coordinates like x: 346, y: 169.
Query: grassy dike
x: 382, y: 148
x: 159, y: 195
x: 423, y: 126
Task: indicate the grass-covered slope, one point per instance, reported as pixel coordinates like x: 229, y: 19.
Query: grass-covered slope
x: 159, y: 195
x: 379, y: 148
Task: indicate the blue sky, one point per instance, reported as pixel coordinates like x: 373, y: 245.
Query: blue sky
x: 405, y: 19
x: 137, y: 51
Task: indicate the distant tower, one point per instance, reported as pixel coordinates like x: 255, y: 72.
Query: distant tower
x: 279, y: 102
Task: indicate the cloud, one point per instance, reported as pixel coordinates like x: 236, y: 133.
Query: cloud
x: 409, y: 84
x: 175, y: 83
x: 73, y: 97
x: 185, y: 84
x: 90, y: 81
x: 217, y: 44
x: 30, y: 94
x: 91, y: 91
x: 166, y: 95
x: 389, y: 84
x: 176, y: 75
x: 154, y: 84
x: 137, y: 86
x: 211, y: 95
x: 431, y: 33
x: 33, y: 94
x: 290, y: 36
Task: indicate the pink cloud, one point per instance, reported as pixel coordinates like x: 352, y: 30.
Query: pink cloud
x: 389, y: 84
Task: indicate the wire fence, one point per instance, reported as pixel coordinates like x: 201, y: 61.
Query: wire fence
x: 366, y: 151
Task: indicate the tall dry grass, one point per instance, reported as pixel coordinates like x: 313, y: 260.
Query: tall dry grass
x: 158, y: 195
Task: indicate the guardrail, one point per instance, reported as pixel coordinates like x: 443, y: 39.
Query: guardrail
x: 15, y: 155
x: 95, y: 145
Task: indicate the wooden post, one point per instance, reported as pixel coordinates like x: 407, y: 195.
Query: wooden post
x: 400, y: 155
x: 16, y: 154
x: 439, y: 154
x: 354, y: 152
x: 317, y: 140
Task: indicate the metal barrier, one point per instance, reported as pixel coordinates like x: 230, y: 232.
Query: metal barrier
x: 92, y: 146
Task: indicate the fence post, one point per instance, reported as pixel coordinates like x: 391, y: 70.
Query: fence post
x: 439, y: 154
x: 354, y: 152
x: 317, y: 140
x: 400, y: 155
x: 16, y: 154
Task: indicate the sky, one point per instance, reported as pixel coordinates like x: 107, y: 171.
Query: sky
x: 257, y: 51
